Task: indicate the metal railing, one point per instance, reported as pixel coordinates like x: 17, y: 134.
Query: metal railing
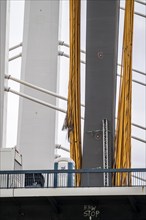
x: 66, y: 178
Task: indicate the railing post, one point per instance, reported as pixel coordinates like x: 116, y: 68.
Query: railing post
x: 87, y: 179
x: 128, y: 179
x: 47, y: 180
x: 55, y: 179
x: 7, y: 180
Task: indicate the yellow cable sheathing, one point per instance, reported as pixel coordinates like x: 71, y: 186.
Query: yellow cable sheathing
x: 73, y: 119
x: 122, y: 156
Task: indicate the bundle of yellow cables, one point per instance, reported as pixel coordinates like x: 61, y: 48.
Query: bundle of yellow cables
x: 122, y: 154
x: 73, y: 118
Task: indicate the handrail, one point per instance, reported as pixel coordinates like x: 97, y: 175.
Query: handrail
x: 89, y: 170
x: 66, y: 178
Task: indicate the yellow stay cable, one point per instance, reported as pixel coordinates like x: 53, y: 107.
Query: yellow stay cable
x: 122, y: 155
x: 72, y: 121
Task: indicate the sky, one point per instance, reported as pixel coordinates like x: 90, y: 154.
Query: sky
x: 139, y: 57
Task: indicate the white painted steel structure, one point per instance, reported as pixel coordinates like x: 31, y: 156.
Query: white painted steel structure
x: 36, y: 124
x: 90, y: 191
x: 36, y: 131
x: 4, y: 27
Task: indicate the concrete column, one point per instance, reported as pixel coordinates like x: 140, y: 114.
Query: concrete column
x: 36, y: 123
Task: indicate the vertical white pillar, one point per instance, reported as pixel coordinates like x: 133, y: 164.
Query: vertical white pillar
x: 4, y: 28
x: 36, y: 123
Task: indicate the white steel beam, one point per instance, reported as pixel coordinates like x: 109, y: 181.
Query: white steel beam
x: 53, y: 94
x: 59, y: 109
x: 36, y: 124
x: 15, y: 47
x: 4, y: 26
